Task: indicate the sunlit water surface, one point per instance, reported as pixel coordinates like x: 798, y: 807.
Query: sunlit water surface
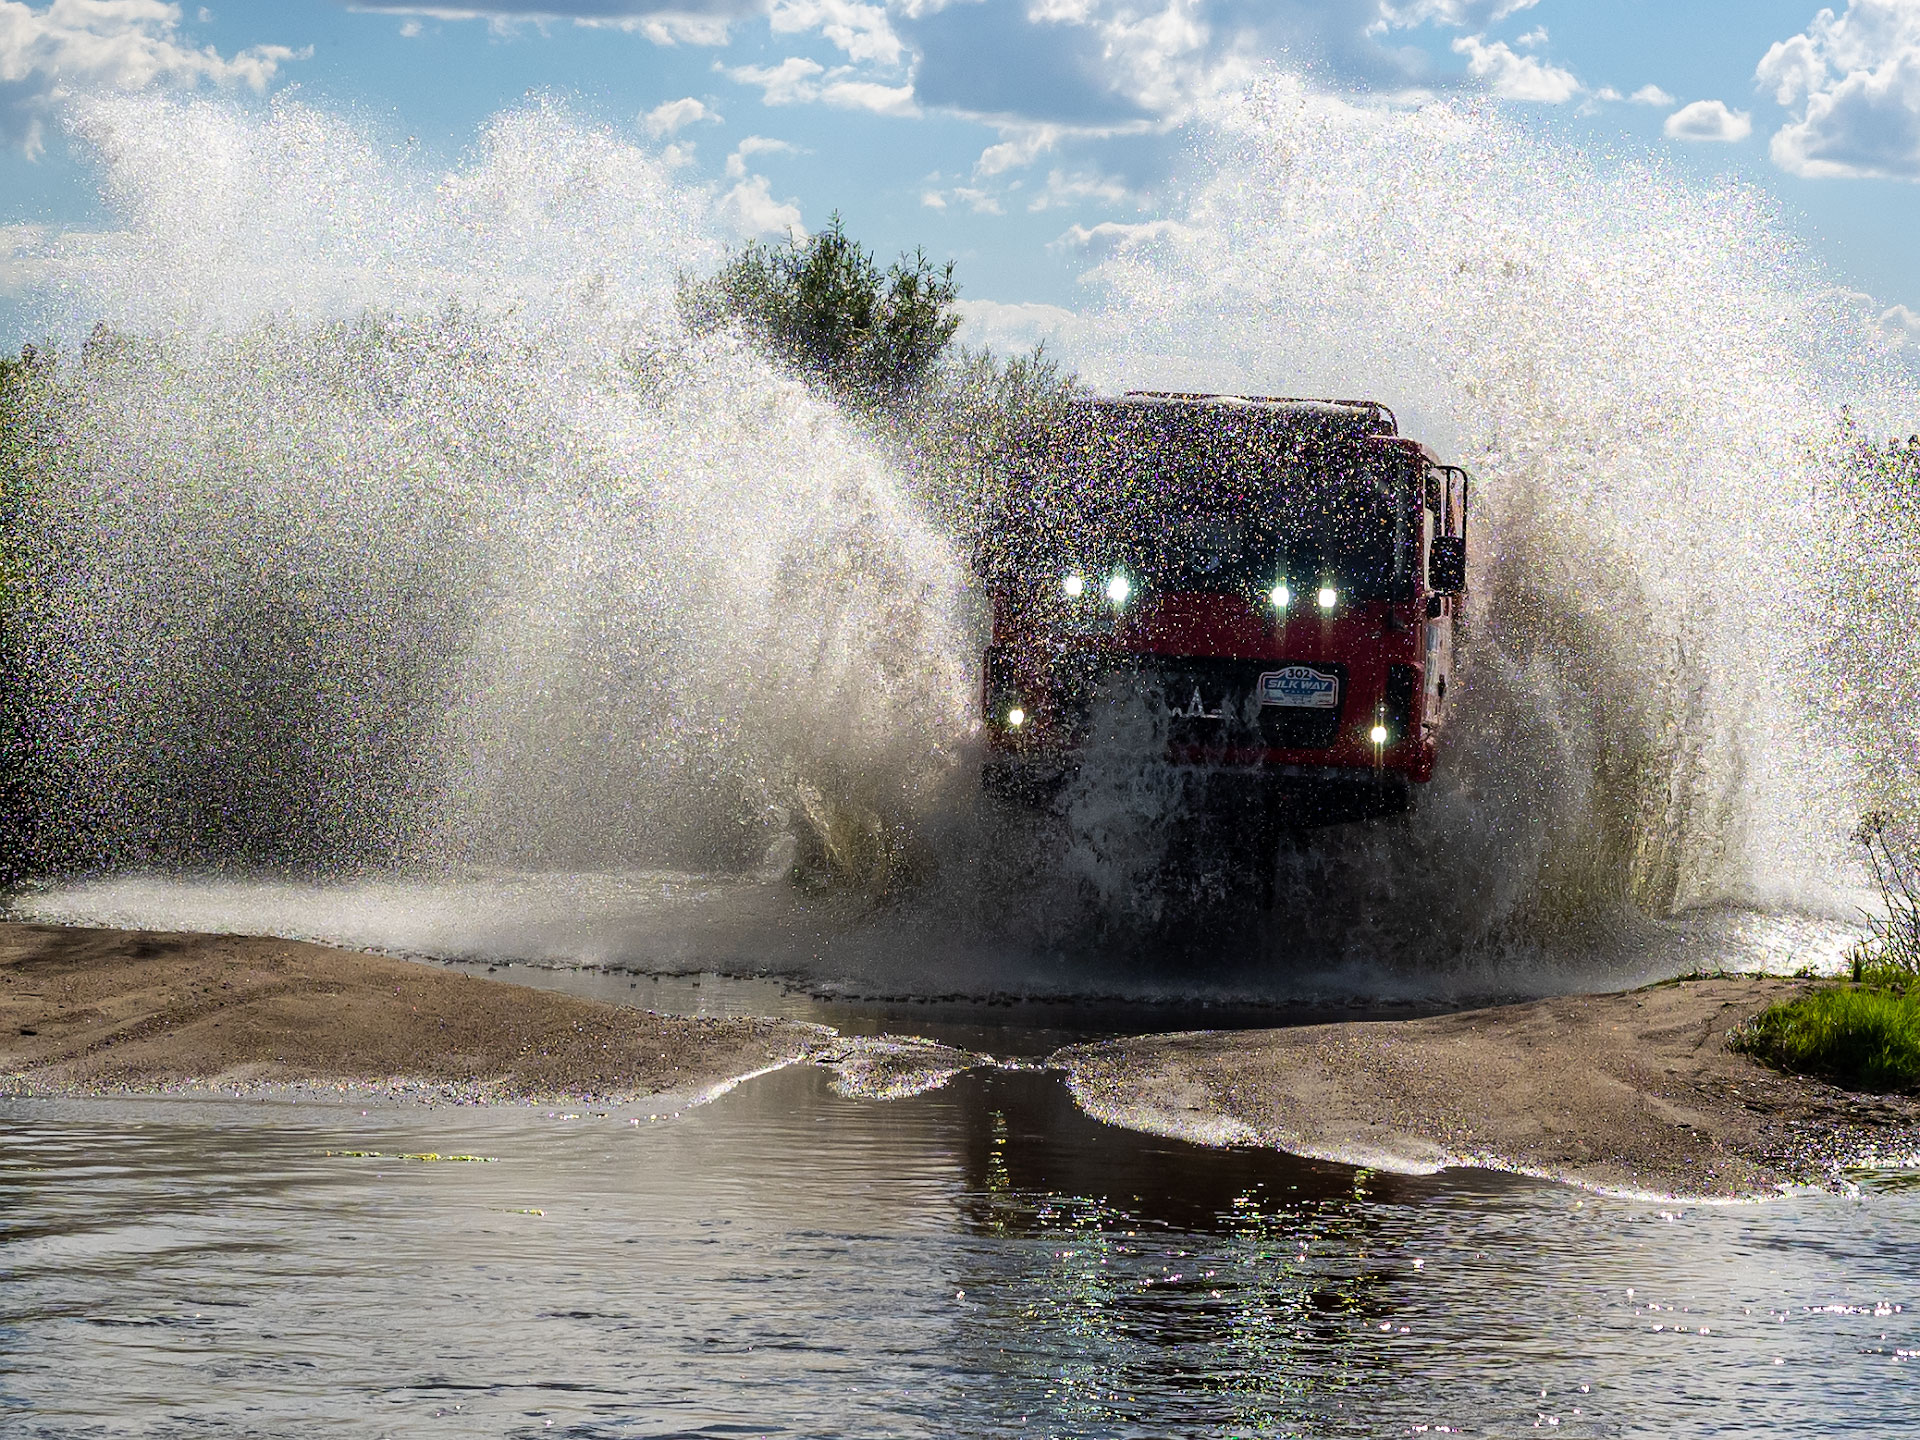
x: 979, y: 1260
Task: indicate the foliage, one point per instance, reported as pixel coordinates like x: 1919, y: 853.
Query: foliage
x: 825, y: 307
x: 1865, y: 1034
x: 1890, y: 954
x: 974, y: 417
x: 881, y: 343
x: 1860, y: 1036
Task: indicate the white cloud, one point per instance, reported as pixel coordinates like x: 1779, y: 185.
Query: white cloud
x: 1064, y: 189
x: 1023, y: 146
x: 1902, y: 324
x: 1708, y: 120
x: 1645, y: 95
x: 999, y: 325
x: 870, y: 95
x: 750, y: 209
x: 798, y: 81
x: 1853, y: 84
x: 862, y: 31
x: 755, y: 145
x: 791, y: 82
x: 23, y: 257
x: 46, y: 54
x: 981, y: 202
x: 1457, y: 13
x: 1513, y: 76
x: 1111, y: 233
x: 674, y: 116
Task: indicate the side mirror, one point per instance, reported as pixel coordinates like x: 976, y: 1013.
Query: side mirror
x: 1447, y: 565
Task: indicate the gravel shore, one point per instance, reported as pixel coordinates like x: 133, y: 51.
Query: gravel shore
x: 1632, y: 1092
x: 110, y: 1010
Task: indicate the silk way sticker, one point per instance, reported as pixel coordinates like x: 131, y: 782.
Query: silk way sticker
x: 1300, y: 688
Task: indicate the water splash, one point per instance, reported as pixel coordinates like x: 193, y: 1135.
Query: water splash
x: 414, y: 527
x: 413, y: 530
x: 1642, y: 372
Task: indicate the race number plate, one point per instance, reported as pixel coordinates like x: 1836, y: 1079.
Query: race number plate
x: 1300, y: 687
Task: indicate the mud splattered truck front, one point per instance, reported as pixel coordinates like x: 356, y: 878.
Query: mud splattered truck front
x: 1269, y: 585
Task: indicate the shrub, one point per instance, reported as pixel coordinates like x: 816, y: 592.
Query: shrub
x: 1889, y: 956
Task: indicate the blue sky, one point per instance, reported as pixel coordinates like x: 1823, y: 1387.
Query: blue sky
x: 1004, y: 133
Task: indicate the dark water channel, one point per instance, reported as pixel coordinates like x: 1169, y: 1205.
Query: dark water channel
x: 974, y: 1261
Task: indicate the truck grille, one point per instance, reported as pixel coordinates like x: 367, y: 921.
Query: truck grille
x: 1219, y: 704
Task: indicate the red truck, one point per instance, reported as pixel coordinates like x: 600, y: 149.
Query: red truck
x: 1274, y: 580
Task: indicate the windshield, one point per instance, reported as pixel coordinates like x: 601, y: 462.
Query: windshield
x: 1214, y: 499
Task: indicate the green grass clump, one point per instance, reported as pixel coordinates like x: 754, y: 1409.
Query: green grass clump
x: 1865, y: 1035
x: 1860, y: 1036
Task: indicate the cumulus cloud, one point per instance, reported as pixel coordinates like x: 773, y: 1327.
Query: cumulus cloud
x: 664, y: 22
x: 1111, y: 234
x: 981, y: 202
x: 50, y: 52
x: 23, y: 258
x: 1852, y: 83
x: 1513, y: 76
x: 1083, y: 65
x: 1902, y: 325
x: 1020, y: 147
x: 674, y: 116
x: 1064, y: 189
x: 750, y: 209
x: 1457, y: 13
x: 799, y: 81
x: 1000, y: 325
x: 755, y: 145
x: 791, y: 82
x: 862, y: 31
x: 1708, y: 120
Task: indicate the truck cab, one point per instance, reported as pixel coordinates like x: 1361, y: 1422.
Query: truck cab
x: 1277, y: 580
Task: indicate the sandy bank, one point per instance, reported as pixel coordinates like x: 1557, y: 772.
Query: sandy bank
x: 1635, y: 1092
x: 109, y: 1009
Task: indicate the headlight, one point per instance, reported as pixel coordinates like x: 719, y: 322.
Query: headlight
x: 1118, y: 589
x: 1281, y: 597
x: 1075, y: 586
x: 1328, y: 597
x: 1016, y: 717
x: 1378, y: 734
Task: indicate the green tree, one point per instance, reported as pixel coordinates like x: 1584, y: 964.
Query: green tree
x: 824, y: 306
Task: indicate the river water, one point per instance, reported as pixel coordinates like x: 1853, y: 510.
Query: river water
x: 977, y: 1260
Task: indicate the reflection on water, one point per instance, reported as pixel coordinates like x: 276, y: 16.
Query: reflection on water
x: 981, y: 1260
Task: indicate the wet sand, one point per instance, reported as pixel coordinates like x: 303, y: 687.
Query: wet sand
x: 1633, y: 1092
x: 112, y: 1010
